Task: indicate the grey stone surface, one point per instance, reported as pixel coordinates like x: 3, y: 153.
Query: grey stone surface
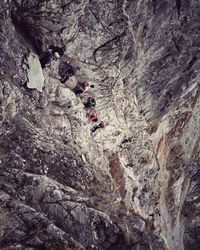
x: 34, y: 72
x: 135, y: 183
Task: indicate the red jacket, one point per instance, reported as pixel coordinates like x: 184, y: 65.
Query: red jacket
x: 101, y: 125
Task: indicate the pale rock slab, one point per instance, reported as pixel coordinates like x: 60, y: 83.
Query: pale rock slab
x: 35, y: 75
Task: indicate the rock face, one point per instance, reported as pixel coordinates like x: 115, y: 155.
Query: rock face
x: 35, y: 75
x: 135, y: 183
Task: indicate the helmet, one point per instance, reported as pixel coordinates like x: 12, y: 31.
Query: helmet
x: 56, y: 54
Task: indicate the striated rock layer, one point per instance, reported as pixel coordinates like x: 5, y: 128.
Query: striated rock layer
x: 135, y: 183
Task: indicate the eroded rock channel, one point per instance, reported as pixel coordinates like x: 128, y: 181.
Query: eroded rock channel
x: 106, y: 157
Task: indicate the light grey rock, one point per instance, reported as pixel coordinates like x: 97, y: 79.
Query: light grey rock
x: 135, y: 183
x: 35, y: 75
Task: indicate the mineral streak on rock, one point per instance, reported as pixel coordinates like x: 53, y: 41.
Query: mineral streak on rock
x: 132, y: 183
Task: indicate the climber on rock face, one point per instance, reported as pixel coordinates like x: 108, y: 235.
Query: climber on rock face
x: 84, y: 85
x: 57, y: 51
x: 100, y: 125
x: 46, y: 59
x: 50, y: 54
x: 81, y: 87
x: 69, y: 72
x: 93, y: 116
x: 90, y: 102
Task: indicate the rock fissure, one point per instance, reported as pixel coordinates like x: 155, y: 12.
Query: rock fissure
x: 131, y: 182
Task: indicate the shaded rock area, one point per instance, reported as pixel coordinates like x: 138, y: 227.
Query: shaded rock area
x: 133, y: 184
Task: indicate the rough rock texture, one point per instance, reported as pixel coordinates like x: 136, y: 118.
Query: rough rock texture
x: 134, y: 184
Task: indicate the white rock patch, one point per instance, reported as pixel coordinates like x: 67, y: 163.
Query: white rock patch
x: 35, y: 75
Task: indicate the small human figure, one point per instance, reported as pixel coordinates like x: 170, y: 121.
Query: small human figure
x: 57, y: 51
x: 69, y: 72
x: 53, y: 52
x: 93, y: 116
x: 46, y: 59
x: 100, y: 125
x: 81, y: 87
x: 90, y: 102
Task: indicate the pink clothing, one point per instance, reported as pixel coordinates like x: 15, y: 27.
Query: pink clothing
x: 93, y: 117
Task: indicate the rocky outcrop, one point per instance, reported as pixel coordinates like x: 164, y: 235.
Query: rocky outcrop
x: 34, y: 72
x: 131, y: 185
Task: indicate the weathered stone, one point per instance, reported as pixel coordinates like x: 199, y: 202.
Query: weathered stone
x: 131, y: 185
x: 35, y: 75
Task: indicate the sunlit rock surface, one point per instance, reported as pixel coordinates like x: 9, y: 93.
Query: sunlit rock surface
x: 34, y: 71
x: 135, y: 183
